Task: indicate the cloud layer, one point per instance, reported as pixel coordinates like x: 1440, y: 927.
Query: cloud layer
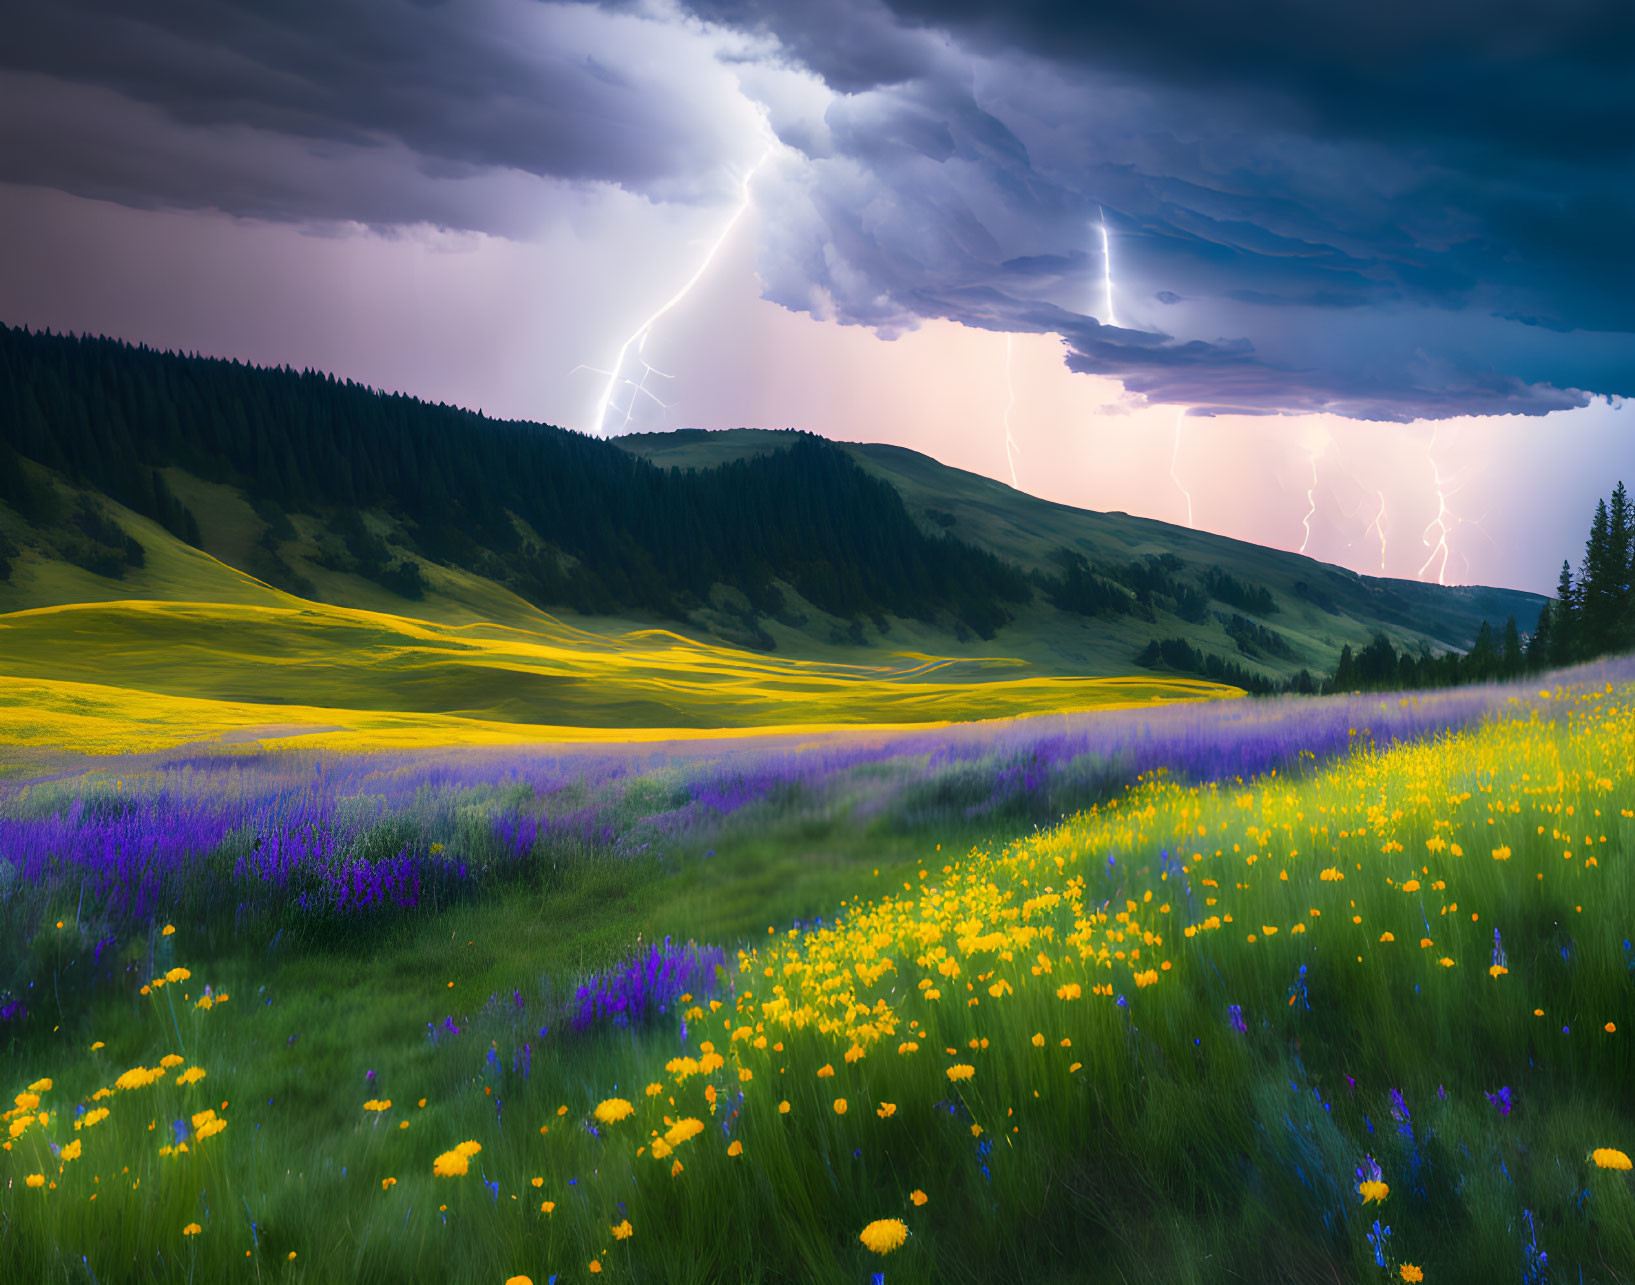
x: 1386, y: 211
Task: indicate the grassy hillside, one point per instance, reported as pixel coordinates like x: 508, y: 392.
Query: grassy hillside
x: 292, y: 550
x: 184, y: 646
x: 139, y: 674
x: 1321, y: 607
x: 1200, y: 1032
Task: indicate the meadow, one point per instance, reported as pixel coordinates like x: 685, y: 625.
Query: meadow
x: 349, y: 678
x: 1145, y: 995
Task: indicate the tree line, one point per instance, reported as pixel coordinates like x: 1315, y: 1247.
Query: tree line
x: 560, y: 517
x: 1594, y: 614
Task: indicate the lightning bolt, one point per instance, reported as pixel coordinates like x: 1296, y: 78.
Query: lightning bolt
x: 1311, y: 502
x: 1378, y: 524
x: 1107, y: 268
x: 1010, y: 404
x: 1439, y: 523
x: 1174, y: 462
x: 638, y: 337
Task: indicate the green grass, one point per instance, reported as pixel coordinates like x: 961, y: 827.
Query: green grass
x: 128, y: 675
x: 1017, y: 527
x: 1161, y: 1145
x: 1027, y: 531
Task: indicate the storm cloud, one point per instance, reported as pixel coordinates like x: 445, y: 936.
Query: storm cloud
x: 1385, y: 211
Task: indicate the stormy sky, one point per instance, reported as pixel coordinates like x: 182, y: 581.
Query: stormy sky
x: 1349, y: 277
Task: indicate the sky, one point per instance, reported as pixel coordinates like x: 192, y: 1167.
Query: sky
x: 1342, y: 277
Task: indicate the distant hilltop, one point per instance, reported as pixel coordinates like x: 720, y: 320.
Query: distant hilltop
x: 776, y: 541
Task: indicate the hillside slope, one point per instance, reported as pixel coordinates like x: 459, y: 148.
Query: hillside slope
x: 1318, y: 607
x: 128, y: 475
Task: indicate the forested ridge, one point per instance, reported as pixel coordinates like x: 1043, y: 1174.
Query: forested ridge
x: 613, y: 530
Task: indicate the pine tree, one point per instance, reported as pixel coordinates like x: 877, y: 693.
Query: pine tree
x: 1541, y: 646
x: 1564, y: 648
x: 1345, y: 673
x: 1511, y: 659
x: 1594, y: 578
x: 1482, y: 663
x: 1620, y: 539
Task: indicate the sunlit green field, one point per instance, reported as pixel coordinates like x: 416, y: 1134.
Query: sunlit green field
x: 1171, y: 1039
x: 110, y: 677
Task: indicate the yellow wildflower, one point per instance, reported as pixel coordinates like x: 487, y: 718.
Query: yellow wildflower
x: 884, y: 1235
x: 1609, y: 1158
x: 1373, y: 1190
x: 192, y: 1229
x: 961, y: 1071
x: 35, y: 1180
x: 918, y: 1197
x: 451, y: 1164
x: 682, y: 1130
x: 623, y: 1231
x: 613, y: 1110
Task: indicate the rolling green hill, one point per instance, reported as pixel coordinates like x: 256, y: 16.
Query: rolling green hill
x: 187, y: 530
x: 1319, y: 607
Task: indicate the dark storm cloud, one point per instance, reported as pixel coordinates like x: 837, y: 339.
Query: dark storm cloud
x: 1551, y: 78
x: 456, y: 89
x: 1383, y: 210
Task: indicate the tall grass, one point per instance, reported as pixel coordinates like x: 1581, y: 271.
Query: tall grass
x: 1197, y: 1017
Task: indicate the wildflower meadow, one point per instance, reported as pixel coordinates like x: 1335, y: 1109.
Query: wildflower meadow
x: 1325, y: 991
